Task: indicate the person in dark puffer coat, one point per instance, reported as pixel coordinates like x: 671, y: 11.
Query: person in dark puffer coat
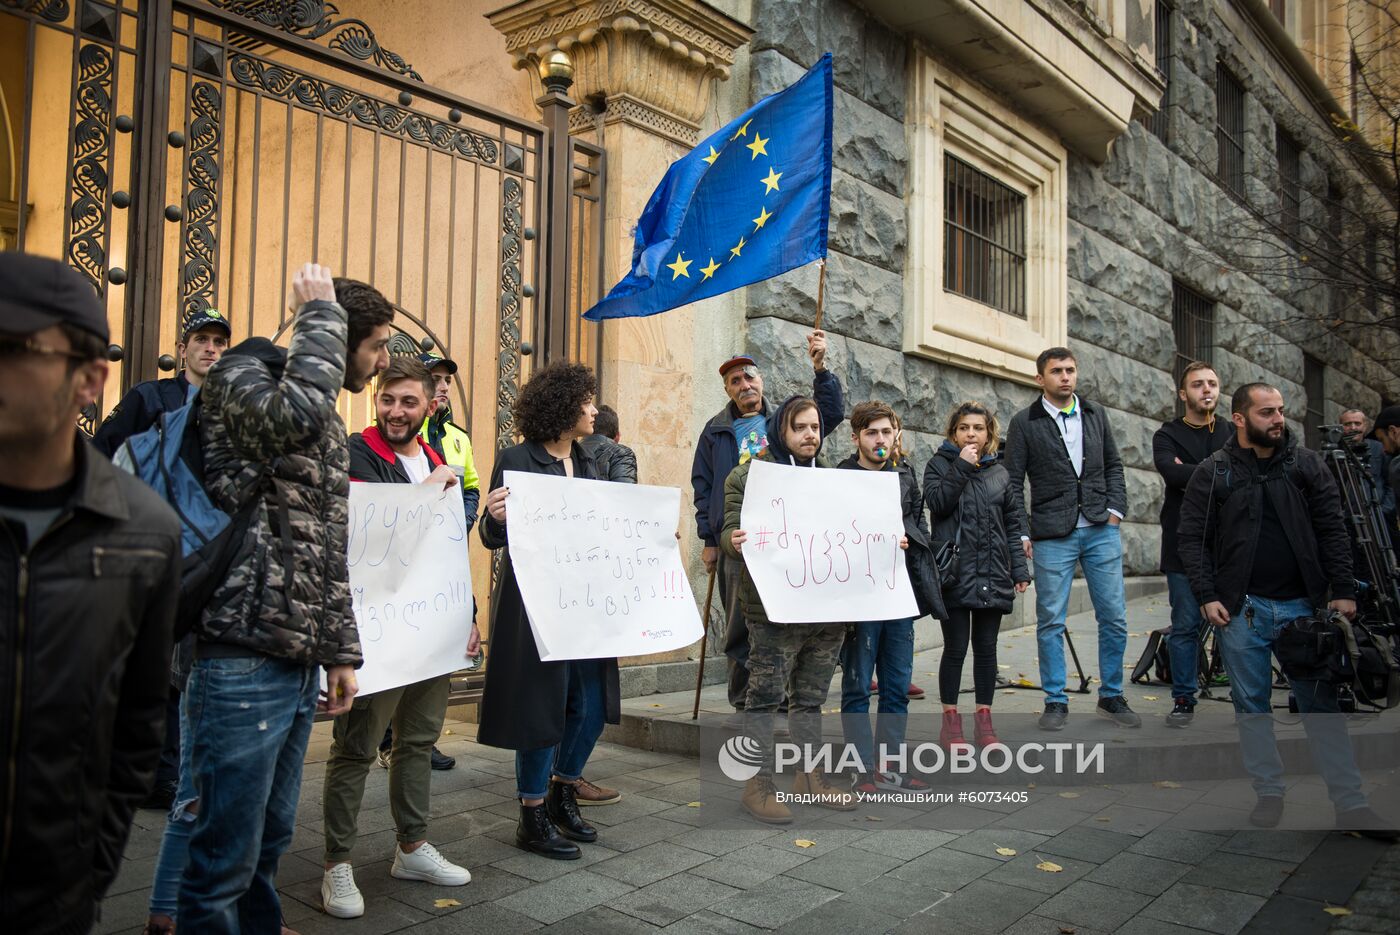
x: 969, y: 498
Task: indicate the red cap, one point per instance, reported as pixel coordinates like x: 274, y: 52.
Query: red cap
x: 740, y: 361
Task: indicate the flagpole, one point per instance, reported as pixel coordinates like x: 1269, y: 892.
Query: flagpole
x: 821, y: 292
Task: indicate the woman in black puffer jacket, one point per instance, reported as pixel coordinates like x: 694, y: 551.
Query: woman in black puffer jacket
x: 969, y: 499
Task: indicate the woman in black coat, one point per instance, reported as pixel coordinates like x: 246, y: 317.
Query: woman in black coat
x: 550, y: 713
x: 969, y: 500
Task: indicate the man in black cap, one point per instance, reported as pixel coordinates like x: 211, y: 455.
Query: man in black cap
x: 203, y: 340
x: 89, y: 580
x: 1387, y: 429
x: 737, y: 433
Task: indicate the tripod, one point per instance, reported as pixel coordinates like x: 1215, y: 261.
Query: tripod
x: 1083, y: 688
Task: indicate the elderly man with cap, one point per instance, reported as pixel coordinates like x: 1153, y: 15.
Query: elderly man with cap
x: 203, y: 339
x: 89, y: 580
x: 737, y: 433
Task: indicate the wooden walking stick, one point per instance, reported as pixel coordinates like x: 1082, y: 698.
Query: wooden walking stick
x: 704, y: 636
x: 821, y: 292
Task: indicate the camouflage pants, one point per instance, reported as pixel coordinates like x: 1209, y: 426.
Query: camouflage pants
x: 793, y: 660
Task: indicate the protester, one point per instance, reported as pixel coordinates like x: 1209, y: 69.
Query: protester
x: 550, y: 713
x: 1078, y: 498
x: 1177, y: 447
x: 970, y: 502
x: 883, y: 645
x: 1263, y: 542
x: 270, y: 430
x: 735, y: 434
x: 614, y: 460
x: 390, y: 452
x: 798, y: 659
x: 91, y: 560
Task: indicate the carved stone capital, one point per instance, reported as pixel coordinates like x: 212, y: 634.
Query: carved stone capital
x: 650, y: 63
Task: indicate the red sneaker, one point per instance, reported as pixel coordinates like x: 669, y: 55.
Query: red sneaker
x: 983, y: 734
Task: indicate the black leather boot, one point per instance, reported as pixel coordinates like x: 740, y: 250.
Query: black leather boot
x: 537, y: 833
x: 563, y: 811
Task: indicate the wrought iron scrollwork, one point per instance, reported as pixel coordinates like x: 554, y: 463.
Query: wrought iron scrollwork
x: 90, y: 181
x: 401, y: 345
x: 280, y: 81
x: 508, y: 361
x: 311, y: 19
x: 55, y: 11
x: 199, y: 262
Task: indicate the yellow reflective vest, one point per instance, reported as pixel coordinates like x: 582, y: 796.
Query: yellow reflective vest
x: 456, y: 450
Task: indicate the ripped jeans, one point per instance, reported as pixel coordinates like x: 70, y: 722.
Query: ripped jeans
x: 175, y: 844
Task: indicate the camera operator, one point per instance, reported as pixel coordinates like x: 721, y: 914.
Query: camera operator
x: 1387, y: 430
x: 1263, y: 542
x: 1355, y: 430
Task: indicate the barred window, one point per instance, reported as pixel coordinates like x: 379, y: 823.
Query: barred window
x: 1162, y: 21
x: 1193, y: 324
x: 1312, y: 386
x: 984, y: 247
x: 1229, y: 130
x: 1288, y: 184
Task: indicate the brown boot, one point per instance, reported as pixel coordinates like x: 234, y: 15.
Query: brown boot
x: 984, y: 735
x: 761, y: 801
x: 950, y: 736
x: 825, y: 793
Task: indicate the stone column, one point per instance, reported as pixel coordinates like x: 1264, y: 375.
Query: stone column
x: 644, y: 75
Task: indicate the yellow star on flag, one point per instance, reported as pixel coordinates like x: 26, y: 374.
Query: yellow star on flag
x: 679, y: 268
x: 742, y: 130
x: 771, y: 181
x: 734, y: 251
x: 709, y: 270
x: 712, y: 156
x: 756, y: 147
x: 763, y: 216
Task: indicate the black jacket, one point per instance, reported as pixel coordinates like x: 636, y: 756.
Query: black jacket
x: 86, y: 614
x: 1219, y: 528
x: 613, y: 460
x: 522, y: 705
x: 977, y: 501
x: 1035, y: 446
x: 1176, y: 439
x: 139, y: 409
x: 923, y: 574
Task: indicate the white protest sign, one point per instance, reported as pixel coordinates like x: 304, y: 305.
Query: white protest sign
x: 410, y: 582
x: 823, y: 545
x: 599, y: 566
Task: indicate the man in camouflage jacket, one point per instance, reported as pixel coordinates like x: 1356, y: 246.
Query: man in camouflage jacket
x: 270, y: 430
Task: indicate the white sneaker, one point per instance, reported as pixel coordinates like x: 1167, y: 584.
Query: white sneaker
x: 428, y: 865
x: 340, y: 897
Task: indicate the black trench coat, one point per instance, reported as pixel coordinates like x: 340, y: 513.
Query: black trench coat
x: 522, y: 706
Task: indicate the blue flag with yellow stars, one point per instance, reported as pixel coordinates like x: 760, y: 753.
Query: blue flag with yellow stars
x: 748, y: 203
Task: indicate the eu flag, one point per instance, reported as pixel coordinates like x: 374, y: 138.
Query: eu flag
x: 748, y: 203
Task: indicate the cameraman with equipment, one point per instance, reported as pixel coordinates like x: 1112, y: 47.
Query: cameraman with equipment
x: 1264, y: 543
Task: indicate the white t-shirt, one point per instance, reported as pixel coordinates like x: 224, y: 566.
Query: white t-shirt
x: 417, y: 467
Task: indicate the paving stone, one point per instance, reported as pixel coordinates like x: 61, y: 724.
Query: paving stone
x: 774, y: 902
x: 601, y: 920
x: 1041, y: 818
x: 1290, y: 914
x: 537, y: 868
x: 1280, y: 845
x: 381, y: 915
x: 1129, y: 819
x: 1190, y: 847
x: 1093, y: 904
x: 481, y: 919
x: 722, y: 841
x: 985, y: 841
x: 1242, y: 873
x: 905, y: 845
x: 631, y: 806
x: 639, y: 832
x: 750, y: 866
x: 651, y: 863
x: 1085, y: 843
x: 673, y: 899
x: 838, y: 918
x: 1205, y: 907
x: 945, y: 868
x: 980, y: 908
x: 956, y: 819
x: 1332, y: 871
x: 1021, y: 871
x: 845, y: 868
x: 824, y: 840
x: 1037, y: 924
x: 1150, y: 876
x: 488, y: 884
x: 565, y: 896
x: 1141, y: 925
x: 709, y: 923
x: 889, y: 895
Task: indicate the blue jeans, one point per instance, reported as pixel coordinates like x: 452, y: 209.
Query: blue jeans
x: 887, y: 647
x: 583, y: 724
x: 175, y: 843
x: 249, y: 719
x: 1184, y: 641
x: 1099, y: 551
x: 1246, y: 646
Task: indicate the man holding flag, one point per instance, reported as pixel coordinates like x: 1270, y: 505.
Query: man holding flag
x: 750, y: 202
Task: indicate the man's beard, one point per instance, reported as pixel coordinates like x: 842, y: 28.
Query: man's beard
x: 408, y: 431
x: 1261, y: 437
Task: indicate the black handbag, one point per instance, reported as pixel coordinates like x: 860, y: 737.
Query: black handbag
x: 945, y: 558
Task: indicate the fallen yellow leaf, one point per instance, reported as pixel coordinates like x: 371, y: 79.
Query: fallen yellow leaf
x: 448, y: 731
x: 1102, y: 818
x: 1069, y: 795
x: 873, y: 818
x: 656, y: 706
x: 1002, y: 666
x: 1149, y: 697
x: 1049, y: 866
x: 1007, y: 851
x: 1023, y: 683
x: 694, y: 804
x: 445, y: 903
x: 1337, y: 911
x: 803, y: 842
x: 1030, y: 785
x: 1166, y: 784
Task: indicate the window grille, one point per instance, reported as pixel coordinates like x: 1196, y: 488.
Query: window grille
x: 1229, y: 130
x: 984, y: 244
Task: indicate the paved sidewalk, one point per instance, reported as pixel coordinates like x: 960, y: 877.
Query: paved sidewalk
x: 1125, y: 863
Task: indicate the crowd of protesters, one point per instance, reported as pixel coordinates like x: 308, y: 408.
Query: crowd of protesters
x: 217, y: 737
